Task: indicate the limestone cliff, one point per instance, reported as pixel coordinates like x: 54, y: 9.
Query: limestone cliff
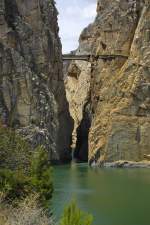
x: 115, y: 93
x: 32, y: 93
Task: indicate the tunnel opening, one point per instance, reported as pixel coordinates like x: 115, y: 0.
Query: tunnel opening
x: 82, y: 147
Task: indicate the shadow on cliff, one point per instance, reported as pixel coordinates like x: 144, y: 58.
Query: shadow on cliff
x: 82, y: 148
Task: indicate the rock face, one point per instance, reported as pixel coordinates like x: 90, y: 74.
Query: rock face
x: 116, y: 89
x: 32, y: 93
x: 77, y: 88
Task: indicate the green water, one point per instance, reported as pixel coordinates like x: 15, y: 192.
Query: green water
x: 113, y: 196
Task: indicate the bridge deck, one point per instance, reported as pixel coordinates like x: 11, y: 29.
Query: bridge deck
x: 76, y: 57
x: 89, y: 57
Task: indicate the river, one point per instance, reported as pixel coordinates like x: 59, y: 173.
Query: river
x: 113, y: 196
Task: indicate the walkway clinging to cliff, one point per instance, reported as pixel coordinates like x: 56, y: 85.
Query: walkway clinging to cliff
x: 92, y: 57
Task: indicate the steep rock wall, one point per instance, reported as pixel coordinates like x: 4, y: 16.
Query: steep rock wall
x: 32, y: 93
x: 77, y: 88
x: 119, y: 87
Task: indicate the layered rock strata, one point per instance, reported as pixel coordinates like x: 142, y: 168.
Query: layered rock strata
x: 118, y: 87
x: 32, y: 93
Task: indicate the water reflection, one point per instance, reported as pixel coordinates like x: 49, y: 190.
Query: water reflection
x: 114, y: 196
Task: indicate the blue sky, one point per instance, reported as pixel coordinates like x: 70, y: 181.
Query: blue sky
x: 74, y: 15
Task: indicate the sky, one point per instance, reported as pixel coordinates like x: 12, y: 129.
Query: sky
x: 74, y: 16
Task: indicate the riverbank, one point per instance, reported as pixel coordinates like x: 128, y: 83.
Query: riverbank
x: 127, y: 164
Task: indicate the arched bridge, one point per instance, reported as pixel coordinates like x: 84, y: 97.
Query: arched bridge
x: 89, y: 58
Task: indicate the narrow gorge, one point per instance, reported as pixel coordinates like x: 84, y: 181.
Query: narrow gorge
x: 70, y: 123
x: 109, y: 98
x: 106, y: 115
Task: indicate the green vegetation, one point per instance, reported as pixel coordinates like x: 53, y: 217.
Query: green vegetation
x: 15, y: 152
x: 14, y: 185
x: 23, y: 170
x: 74, y: 216
x: 26, y: 185
x: 41, y: 173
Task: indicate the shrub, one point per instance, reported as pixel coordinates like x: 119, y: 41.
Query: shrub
x: 74, y: 216
x: 15, y: 184
x: 22, y: 169
x: 15, y: 152
x: 41, y: 174
x: 28, y: 212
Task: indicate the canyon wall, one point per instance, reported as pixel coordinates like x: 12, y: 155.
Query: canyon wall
x: 110, y: 98
x: 32, y: 93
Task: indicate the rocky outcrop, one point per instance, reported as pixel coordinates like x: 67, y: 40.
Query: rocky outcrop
x: 127, y: 164
x: 118, y: 87
x: 32, y: 93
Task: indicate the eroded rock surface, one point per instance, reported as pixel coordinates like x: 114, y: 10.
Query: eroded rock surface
x: 118, y: 88
x: 32, y: 93
x: 77, y: 89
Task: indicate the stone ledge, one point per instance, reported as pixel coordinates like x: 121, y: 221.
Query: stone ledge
x: 127, y: 164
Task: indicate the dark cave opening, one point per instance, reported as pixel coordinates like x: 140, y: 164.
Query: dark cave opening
x: 82, y: 148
